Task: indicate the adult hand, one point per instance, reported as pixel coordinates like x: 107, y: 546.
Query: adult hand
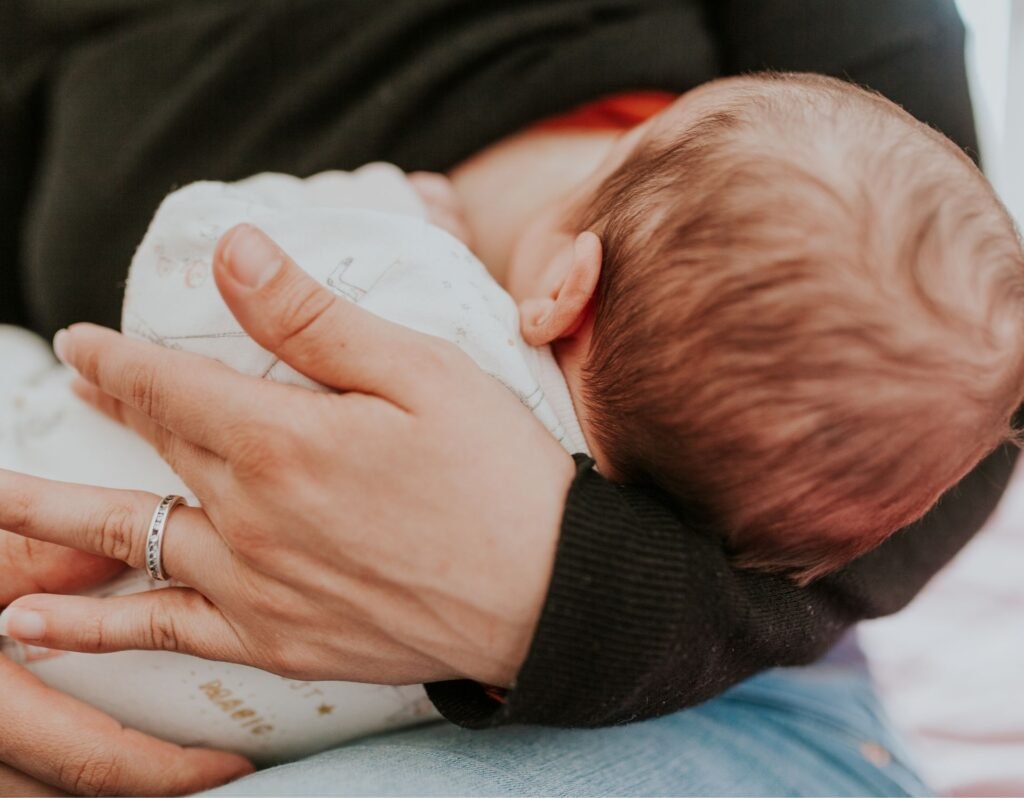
x: 401, y: 531
x: 51, y: 744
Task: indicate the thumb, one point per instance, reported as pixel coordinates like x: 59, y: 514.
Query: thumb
x: 317, y: 333
x: 54, y: 739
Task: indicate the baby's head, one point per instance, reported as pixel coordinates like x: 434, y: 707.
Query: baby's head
x: 790, y: 305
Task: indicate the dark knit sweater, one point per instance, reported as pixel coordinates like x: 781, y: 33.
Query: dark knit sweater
x: 106, y: 105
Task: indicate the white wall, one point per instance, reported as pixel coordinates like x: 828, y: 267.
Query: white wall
x: 1011, y: 178
x: 995, y: 61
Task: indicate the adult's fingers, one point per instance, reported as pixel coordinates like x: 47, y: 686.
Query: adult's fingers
x: 14, y: 782
x: 170, y: 619
x: 202, y: 470
x: 330, y: 340
x: 30, y: 566
x: 63, y: 742
x: 195, y: 397
x: 112, y: 523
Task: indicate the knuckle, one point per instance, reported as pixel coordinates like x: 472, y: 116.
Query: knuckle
x: 287, y: 660
x: 162, y: 630
x: 261, y: 451
x: 257, y: 597
x: 140, y: 389
x: 19, y: 510
x: 33, y: 562
x: 87, y: 363
x: 253, y: 453
x: 90, y: 634
x: 118, y: 535
x: 97, y: 774
x: 300, y: 309
x: 264, y: 599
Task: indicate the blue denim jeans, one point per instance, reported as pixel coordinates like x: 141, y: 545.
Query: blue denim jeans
x: 793, y: 731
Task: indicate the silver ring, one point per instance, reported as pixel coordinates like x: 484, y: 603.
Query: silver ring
x: 155, y: 537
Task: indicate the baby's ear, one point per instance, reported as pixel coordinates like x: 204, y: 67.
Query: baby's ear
x: 544, y: 320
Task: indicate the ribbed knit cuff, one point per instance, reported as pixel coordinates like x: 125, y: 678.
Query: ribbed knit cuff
x: 645, y: 615
x: 607, y: 623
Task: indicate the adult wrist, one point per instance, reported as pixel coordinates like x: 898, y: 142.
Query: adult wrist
x: 598, y: 617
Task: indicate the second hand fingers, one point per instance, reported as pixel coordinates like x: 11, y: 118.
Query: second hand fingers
x: 30, y: 566
x: 14, y: 782
x: 112, y: 523
x: 70, y: 745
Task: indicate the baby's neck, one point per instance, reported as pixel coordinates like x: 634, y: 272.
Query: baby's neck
x: 571, y: 356
x: 502, y: 188
x: 505, y: 185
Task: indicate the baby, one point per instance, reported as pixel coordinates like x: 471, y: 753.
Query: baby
x: 782, y: 300
x: 808, y: 322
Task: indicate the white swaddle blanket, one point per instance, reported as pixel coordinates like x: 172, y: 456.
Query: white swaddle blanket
x: 364, y: 236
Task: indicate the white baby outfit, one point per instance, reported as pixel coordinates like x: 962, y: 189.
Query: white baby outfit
x: 362, y: 234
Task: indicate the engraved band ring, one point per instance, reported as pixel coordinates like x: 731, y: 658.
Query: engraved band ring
x: 155, y: 537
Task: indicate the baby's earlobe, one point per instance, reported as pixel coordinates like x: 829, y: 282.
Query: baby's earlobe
x: 535, y: 320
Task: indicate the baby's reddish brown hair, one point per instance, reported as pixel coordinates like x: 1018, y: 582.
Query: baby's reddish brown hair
x: 809, y: 322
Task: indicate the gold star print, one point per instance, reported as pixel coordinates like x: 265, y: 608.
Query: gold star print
x: 325, y: 709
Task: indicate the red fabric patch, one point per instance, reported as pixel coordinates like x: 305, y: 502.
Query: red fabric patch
x: 616, y: 112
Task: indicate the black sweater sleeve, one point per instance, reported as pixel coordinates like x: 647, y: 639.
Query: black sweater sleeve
x: 644, y: 616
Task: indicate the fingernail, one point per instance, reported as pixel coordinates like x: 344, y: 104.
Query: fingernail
x: 22, y: 624
x: 251, y: 257
x: 60, y: 345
